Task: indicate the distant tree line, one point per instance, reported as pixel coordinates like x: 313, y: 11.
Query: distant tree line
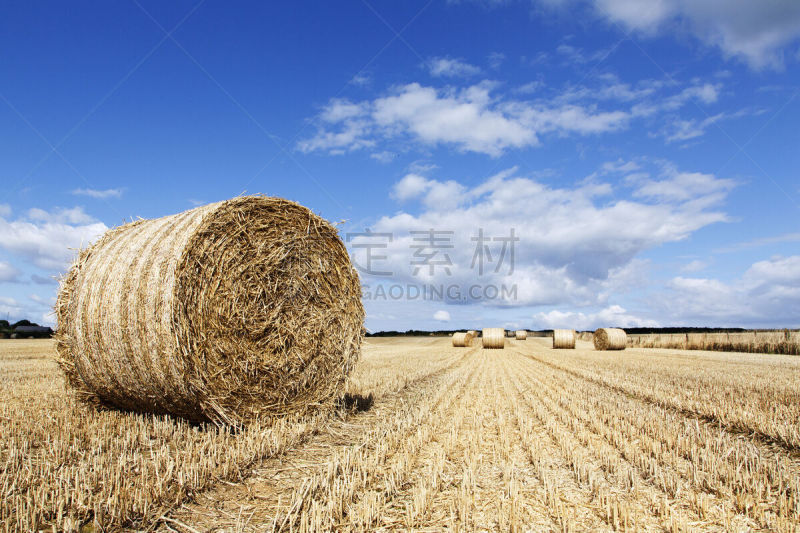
x: 630, y: 331
x: 24, y: 329
x: 428, y: 333
x: 656, y: 331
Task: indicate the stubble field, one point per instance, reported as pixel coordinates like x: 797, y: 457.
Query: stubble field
x: 429, y: 438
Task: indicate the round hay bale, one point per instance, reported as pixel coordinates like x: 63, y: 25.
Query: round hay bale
x: 229, y: 312
x: 563, y: 338
x: 609, y: 339
x: 493, y: 338
x: 474, y: 333
x: 521, y: 335
x: 462, y: 339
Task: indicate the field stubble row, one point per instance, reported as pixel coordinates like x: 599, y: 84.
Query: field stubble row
x: 527, y: 438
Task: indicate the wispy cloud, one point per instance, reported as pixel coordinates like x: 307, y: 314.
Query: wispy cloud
x: 452, y: 68
x: 694, y: 266
x: 97, y: 193
x: 496, y: 59
x: 686, y: 129
x: 361, y: 79
x: 578, y: 56
x: 756, y: 243
x: 7, y: 272
x: 383, y: 157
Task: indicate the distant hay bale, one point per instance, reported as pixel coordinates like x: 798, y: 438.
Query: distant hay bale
x: 229, y: 312
x: 473, y: 332
x: 610, y: 339
x: 521, y: 335
x: 563, y: 338
x: 462, y: 339
x: 493, y: 338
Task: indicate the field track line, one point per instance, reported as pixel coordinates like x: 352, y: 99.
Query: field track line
x: 733, y: 428
x: 602, y: 470
x: 270, y: 484
x: 629, y: 442
x: 567, y: 501
x: 719, y: 488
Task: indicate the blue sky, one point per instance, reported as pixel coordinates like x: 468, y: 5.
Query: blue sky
x: 645, y: 154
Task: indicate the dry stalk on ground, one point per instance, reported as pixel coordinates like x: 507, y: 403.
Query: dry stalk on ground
x: 435, y: 438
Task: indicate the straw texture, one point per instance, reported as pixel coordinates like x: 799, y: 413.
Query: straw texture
x: 493, y: 338
x: 563, y: 338
x: 462, y: 339
x: 521, y: 334
x: 229, y: 312
x: 610, y: 339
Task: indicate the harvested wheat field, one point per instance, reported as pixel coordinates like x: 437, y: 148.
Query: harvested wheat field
x: 429, y: 437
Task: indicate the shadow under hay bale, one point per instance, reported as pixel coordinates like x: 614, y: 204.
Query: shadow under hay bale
x: 229, y: 312
x: 609, y: 339
x: 357, y: 402
x: 563, y: 338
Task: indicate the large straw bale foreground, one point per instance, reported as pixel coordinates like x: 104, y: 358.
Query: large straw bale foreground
x: 564, y: 338
x: 493, y: 337
x: 610, y: 339
x: 227, y: 312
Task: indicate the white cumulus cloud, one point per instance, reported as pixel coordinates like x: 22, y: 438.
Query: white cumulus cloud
x: 755, y: 31
x: 441, y: 316
x: 577, y: 245
x: 767, y: 294
x: 611, y: 316
x: 477, y: 118
x: 469, y: 119
x: 49, y: 239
